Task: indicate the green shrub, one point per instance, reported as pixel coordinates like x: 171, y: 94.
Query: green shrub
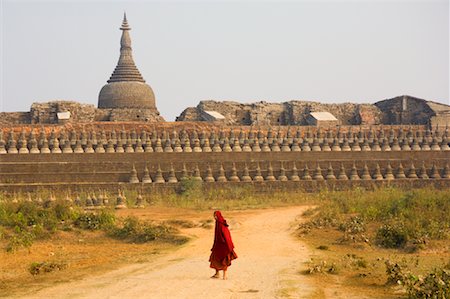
x: 63, y: 211
x: 352, y: 260
x: 189, y: 186
x: 415, y: 215
x: 354, y: 230
x: 129, y: 228
x: 361, y: 263
x: 310, y: 212
x: 354, y: 225
x: 327, y: 217
x: 24, y: 222
x: 28, y: 214
x: 395, y: 273
x: 434, y: 285
x: 95, y: 221
x: 137, y: 231
x: 21, y: 238
x: 392, y: 236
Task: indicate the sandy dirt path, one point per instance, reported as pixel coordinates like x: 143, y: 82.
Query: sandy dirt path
x: 268, y: 265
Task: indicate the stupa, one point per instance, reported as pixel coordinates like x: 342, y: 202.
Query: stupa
x: 126, y: 94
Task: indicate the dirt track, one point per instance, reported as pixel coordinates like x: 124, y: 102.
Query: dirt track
x: 267, y: 267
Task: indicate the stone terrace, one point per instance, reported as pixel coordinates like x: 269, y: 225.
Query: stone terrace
x: 285, y: 158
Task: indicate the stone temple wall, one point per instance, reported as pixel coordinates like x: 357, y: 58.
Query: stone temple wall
x: 441, y: 120
x: 134, y: 114
x: 395, y: 111
x: 14, y: 118
x: 46, y: 113
x: 287, y: 113
x: 292, y: 159
x: 411, y: 110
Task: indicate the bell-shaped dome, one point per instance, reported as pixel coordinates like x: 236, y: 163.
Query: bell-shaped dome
x: 126, y: 94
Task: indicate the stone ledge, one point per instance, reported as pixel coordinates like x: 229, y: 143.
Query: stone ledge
x: 261, y: 187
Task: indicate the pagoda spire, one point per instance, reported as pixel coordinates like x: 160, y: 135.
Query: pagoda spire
x: 126, y: 69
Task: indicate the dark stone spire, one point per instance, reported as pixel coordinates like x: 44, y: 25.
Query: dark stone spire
x: 126, y: 69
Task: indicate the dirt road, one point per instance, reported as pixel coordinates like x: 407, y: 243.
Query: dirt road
x: 267, y: 267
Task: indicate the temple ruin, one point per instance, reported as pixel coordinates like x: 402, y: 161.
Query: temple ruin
x: 402, y: 110
x: 283, y: 158
x: 125, y: 144
x: 126, y: 95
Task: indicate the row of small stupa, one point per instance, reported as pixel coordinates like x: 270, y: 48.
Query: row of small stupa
x: 256, y: 174
x: 222, y: 141
x: 90, y: 202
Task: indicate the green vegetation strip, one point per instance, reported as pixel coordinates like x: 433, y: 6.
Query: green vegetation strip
x: 24, y: 222
x: 406, y: 221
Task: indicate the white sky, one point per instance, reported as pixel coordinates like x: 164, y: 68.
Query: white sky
x: 329, y: 51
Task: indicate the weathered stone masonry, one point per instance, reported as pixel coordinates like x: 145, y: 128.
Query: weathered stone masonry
x: 293, y: 159
x: 395, y: 111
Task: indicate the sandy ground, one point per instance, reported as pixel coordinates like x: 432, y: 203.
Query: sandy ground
x: 270, y: 259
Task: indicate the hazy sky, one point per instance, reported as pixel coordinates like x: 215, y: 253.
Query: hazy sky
x: 330, y: 51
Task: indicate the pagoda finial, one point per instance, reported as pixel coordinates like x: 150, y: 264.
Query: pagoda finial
x: 125, y: 25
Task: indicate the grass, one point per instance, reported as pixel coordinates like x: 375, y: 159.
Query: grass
x: 190, y: 194
x: 95, y: 221
x: 352, y: 234
x: 24, y: 222
x: 229, y: 198
x: 136, y: 231
x: 365, y: 231
x: 39, y: 241
x: 404, y: 217
x: 409, y: 218
x: 80, y: 254
x: 435, y: 284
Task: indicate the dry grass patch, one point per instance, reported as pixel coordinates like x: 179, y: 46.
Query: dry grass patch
x: 359, y: 268
x: 358, y: 235
x: 78, y: 244
x: 83, y: 254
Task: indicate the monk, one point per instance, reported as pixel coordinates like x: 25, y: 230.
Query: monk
x: 222, y: 251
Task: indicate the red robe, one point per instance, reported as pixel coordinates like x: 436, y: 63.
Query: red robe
x: 222, y: 251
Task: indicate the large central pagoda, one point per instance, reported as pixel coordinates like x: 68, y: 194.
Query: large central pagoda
x: 126, y: 89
